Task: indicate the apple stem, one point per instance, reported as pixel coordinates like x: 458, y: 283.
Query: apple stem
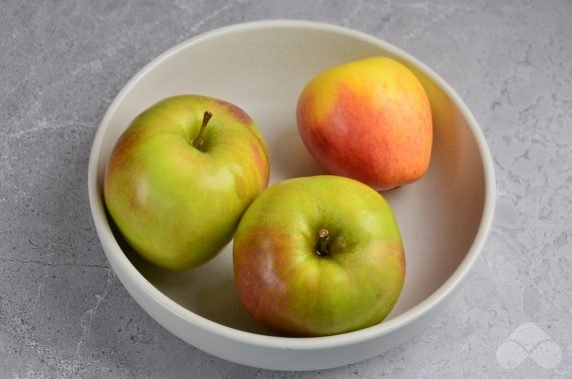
x: 324, y: 238
x: 197, y: 142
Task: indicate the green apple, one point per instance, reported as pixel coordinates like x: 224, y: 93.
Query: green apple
x: 181, y: 176
x: 318, y: 256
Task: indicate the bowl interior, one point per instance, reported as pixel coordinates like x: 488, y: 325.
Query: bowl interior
x: 263, y: 72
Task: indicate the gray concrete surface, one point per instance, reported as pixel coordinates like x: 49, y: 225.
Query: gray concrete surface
x: 64, y: 314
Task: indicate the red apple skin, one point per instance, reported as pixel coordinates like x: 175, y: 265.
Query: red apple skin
x: 369, y: 120
x: 286, y: 286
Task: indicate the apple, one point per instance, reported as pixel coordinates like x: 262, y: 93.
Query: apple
x: 369, y: 120
x: 317, y: 256
x: 181, y: 176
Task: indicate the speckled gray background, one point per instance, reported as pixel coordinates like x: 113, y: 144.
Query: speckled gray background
x: 64, y: 314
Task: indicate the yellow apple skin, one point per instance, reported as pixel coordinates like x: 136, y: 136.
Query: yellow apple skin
x: 368, y: 120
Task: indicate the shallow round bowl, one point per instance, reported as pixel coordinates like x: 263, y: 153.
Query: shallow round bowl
x: 262, y: 67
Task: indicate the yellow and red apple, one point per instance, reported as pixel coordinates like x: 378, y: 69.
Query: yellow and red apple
x: 369, y: 120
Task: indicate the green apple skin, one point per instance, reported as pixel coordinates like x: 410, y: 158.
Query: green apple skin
x: 287, y: 286
x: 177, y: 205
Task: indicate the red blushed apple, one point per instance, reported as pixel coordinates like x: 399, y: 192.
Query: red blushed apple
x: 369, y: 120
x: 317, y: 256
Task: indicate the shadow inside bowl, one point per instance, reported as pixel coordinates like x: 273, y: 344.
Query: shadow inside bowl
x: 208, y: 290
x: 284, y: 146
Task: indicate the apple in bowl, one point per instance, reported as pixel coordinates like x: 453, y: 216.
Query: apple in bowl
x: 368, y: 120
x: 317, y: 256
x: 181, y: 176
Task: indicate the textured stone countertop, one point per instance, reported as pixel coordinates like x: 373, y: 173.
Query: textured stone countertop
x: 64, y: 314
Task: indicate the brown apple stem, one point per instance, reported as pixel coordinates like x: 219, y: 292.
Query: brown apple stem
x: 198, y: 140
x: 324, y: 238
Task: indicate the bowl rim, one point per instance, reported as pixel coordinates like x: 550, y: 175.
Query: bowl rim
x: 294, y: 343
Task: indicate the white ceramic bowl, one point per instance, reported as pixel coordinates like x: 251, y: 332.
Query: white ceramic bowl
x: 262, y: 67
